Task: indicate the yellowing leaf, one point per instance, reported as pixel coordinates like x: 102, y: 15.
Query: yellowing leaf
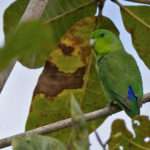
x: 66, y: 63
x: 56, y: 83
x: 58, y: 16
x: 121, y: 137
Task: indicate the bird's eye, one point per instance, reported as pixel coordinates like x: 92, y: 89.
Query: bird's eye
x: 102, y: 35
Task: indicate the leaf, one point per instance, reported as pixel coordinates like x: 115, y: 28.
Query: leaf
x: 51, y: 99
x: 79, y: 130
x: 141, y: 126
x: 59, y: 15
x: 66, y: 63
x: 31, y: 44
x: 37, y: 142
x: 140, y: 33
x: 12, y: 16
x: 120, y: 136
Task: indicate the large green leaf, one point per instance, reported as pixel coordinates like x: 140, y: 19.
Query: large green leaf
x: 120, y: 136
x: 77, y: 141
x: 52, y: 94
x: 59, y: 15
x: 37, y: 142
x: 13, y: 14
x: 140, y: 31
x: 31, y: 44
x: 11, y: 18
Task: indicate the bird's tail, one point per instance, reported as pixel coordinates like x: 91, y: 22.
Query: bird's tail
x: 121, y: 101
x: 131, y: 95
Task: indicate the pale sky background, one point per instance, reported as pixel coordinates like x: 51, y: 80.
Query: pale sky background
x: 16, y: 97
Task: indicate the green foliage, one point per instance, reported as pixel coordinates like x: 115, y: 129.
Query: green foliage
x: 79, y: 132
x: 52, y: 93
x: 37, y: 142
x: 31, y: 44
x: 69, y: 68
x: 13, y: 15
x: 120, y: 136
x: 33, y: 53
x: 77, y: 141
x: 61, y: 14
x: 140, y: 32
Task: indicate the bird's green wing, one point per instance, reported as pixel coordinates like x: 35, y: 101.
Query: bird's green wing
x: 118, y: 70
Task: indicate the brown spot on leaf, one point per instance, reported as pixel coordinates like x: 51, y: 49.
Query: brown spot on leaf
x: 77, y: 40
x: 85, y: 52
x: 52, y: 81
x: 67, y: 50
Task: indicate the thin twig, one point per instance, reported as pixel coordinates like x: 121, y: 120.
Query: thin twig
x: 53, y: 127
x: 100, y: 141
x: 146, y: 98
x: 138, y: 19
x: 140, y: 1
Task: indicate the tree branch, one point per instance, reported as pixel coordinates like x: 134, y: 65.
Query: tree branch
x: 140, y: 1
x: 66, y: 123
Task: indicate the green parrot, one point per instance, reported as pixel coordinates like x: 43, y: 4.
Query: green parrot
x: 119, y: 74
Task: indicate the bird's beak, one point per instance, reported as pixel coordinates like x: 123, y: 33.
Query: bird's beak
x: 92, y: 42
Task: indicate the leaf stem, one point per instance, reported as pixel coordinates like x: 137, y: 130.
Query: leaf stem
x: 69, y: 12
x: 137, y: 145
x: 86, y: 78
x: 140, y: 1
x: 132, y: 14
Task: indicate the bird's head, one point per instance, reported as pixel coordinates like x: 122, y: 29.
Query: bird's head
x: 104, y: 41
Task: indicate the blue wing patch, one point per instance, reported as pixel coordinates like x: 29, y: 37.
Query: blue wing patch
x: 131, y: 94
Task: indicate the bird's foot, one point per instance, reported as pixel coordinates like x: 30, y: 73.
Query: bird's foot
x: 113, y: 104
